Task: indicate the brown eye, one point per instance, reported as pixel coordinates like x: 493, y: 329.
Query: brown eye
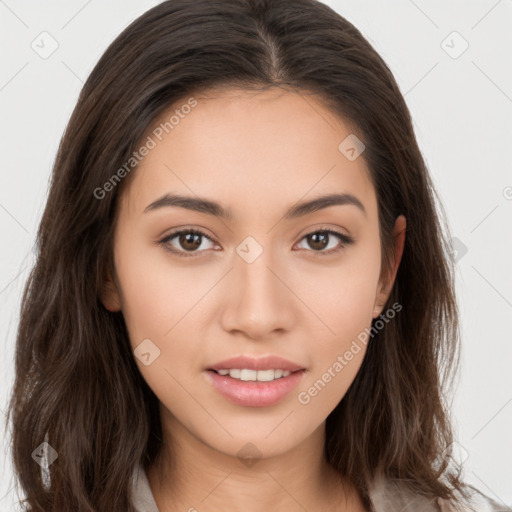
x: 187, y: 241
x: 321, y: 239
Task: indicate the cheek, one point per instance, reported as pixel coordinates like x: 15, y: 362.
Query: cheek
x: 160, y: 302
x: 341, y: 294
x: 157, y: 303
x: 338, y: 353
x: 343, y: 299
x: 154, y: 293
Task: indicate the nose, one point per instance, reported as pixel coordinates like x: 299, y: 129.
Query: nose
x: 260, y: 302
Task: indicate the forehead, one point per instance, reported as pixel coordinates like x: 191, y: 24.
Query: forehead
x: 249, y: 148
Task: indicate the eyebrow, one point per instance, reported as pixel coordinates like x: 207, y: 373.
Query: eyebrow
x: 210, y: 207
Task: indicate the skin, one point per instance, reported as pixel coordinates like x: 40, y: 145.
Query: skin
x: 256, y: 154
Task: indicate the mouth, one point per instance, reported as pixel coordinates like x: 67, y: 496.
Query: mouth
x: 255, y: 382
x: 247, y: 375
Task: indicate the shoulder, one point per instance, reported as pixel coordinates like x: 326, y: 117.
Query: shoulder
x: 475, y: 502
x: 390, y: 496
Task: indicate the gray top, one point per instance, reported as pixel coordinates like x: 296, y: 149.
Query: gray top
x: 142, y: 496
x: 385, y: 497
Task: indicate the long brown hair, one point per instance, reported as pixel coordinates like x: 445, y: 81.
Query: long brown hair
x: 76, y: 383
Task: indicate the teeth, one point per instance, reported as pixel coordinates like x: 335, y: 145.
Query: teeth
x: 254, y: 375
x: 264, y: 375
x: 248, y: 374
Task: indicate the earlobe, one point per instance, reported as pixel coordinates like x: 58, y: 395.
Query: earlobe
x: 110, y: 295
x: 381, y: 299
x: 386, y: 284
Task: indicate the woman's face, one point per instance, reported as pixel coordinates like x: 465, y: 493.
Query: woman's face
x: 264, y: 281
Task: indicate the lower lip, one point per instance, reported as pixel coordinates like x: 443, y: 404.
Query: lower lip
x: 254, y: 393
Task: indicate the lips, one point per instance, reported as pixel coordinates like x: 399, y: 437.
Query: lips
x: 255, y: 393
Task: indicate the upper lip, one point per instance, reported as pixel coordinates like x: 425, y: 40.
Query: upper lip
x: 270, y: 362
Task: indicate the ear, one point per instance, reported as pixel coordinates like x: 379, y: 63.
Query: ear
x: 388, y: 275
x: 110, y: 294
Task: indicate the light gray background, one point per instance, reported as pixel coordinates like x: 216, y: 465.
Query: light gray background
x: 462, y: 110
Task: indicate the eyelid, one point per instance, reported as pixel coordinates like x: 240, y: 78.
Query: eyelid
x: 345, y: 240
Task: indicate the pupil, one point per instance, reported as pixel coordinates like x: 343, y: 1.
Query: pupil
x: 321, y: 244
x: 192, y: 239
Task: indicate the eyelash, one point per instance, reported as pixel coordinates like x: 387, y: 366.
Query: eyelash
x: 345, y: 241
